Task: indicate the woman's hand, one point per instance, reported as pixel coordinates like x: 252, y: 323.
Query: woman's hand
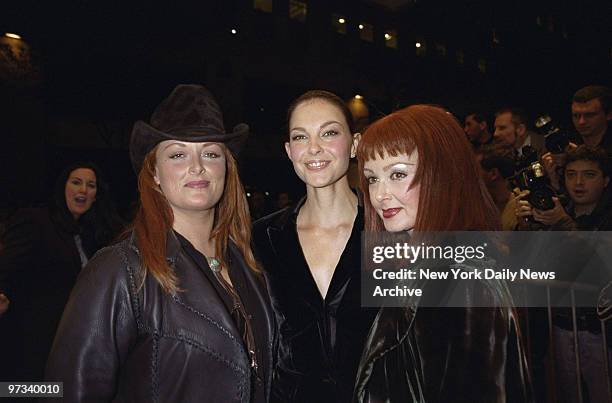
x: 4, y: 304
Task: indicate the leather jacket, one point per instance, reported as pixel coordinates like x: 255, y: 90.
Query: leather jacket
x: 122, y: 342
x: 469, y: 354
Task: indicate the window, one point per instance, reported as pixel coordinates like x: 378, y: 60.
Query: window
x: 366, y: 32
x: 263, y: 5
x: 339, y: 23
x: 298, y: 10
x: 391, y: 39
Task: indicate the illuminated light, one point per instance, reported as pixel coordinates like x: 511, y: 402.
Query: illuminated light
x: 14, y: 36
x: 388, y: 37
x: 267, y: 193
x: 234, y: 32
x: 248, y: 194
x: 341, y: 20
x: 358, y: 96
x: 361, y: 26
x: 418, y: 44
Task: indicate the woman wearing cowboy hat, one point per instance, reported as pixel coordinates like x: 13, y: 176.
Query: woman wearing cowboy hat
x: 176, y: 312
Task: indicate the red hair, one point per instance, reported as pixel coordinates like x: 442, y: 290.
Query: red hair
x: 154, y: 220
x: 452, y: 197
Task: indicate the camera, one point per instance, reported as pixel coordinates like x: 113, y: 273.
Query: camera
x: 556, y: 139
x: 530, y: 175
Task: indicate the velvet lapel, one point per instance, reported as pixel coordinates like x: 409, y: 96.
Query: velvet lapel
x: 348, y: 268
x: 296, y: 274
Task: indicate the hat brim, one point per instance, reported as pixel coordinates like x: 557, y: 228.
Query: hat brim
x: 145, y: 137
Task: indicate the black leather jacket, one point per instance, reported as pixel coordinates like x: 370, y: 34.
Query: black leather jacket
x: 119, y: 343
x: 320, y: 340
x: 459, y: 355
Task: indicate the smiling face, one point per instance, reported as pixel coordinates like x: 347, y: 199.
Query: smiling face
x: 585, y: 182
x: 190, y: 175
x: 320, y: 143
x: 392, y: 195
x: 80, y: 191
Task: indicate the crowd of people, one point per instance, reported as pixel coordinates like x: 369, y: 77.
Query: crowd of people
x: 192, y: 301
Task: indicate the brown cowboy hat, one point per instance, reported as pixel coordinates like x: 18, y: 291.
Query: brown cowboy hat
x: 191, y: 114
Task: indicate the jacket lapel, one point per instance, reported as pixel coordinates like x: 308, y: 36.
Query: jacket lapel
x: 199, y: 294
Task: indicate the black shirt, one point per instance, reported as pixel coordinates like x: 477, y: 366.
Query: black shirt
x: 248, y: 301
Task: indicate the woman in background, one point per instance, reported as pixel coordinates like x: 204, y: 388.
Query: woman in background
x: 43, y: 251
x: 311, y: 256
x: 418, y: 173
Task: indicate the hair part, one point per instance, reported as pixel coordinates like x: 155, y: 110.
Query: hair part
x: 322, y: 95
x: 452, y: 196
x: 155, y: 219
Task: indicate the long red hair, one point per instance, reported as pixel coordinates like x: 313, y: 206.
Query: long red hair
x: 452, y: 197
x: 154, y: 220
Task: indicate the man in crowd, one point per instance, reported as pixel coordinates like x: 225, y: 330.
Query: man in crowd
x: 591, y: 114
x: 511, y: 128
x: 497, y: 163
x: 477, y: 130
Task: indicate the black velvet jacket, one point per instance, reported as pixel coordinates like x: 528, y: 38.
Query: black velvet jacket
x: 320, y: 340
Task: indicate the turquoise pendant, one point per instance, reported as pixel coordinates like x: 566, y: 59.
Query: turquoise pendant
x: 214, y: 264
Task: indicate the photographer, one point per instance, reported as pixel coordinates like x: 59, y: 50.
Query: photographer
x: 591, y: 115
x: 586, y: 178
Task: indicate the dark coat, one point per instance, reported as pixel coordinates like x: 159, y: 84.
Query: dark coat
x: 439, y: 355
x: 320, y: 340
x: 39, y: 264
x: 119, y: 342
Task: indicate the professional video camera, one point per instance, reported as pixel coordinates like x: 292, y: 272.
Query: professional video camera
x: 530, y: 175
x: 556, y: 139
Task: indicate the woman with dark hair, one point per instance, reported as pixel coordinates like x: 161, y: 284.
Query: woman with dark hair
x: 311, y: 256
x: 43, y: 250
x: 418, y: 173
x: 177, y: 311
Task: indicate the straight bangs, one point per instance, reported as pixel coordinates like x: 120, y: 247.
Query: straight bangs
x: 452, y: 195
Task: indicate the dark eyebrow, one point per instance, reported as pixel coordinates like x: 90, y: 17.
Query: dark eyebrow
x: 329, y: 122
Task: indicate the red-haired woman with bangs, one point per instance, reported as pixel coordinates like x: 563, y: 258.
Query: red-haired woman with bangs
x: 178, y: 311
x: 418, y: 173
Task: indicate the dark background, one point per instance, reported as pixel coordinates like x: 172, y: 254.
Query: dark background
x: 84, y: 71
